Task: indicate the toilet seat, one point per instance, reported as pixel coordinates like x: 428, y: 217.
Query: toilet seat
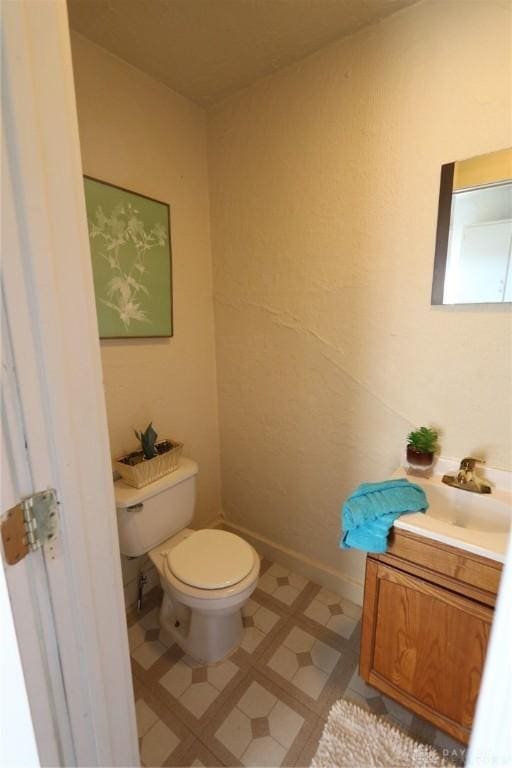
x: 211, y: 560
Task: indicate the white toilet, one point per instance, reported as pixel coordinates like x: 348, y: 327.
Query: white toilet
x: 206, y: 575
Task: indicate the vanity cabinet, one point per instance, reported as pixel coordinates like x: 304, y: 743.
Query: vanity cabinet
x: 427, y: 616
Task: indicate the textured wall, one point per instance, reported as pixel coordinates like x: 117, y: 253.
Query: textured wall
x: 324, y: 185
x: 141, y: 135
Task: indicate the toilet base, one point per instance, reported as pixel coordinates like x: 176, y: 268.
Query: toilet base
x: 208, y: 636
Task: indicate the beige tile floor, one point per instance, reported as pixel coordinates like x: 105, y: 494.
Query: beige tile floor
x: 267, y: 704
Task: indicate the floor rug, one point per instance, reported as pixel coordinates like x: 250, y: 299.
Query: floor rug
x: 355, y: 738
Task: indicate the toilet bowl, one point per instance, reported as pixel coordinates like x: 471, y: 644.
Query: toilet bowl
x: 206, y: 575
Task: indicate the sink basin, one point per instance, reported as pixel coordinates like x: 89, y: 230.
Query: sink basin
x: 467, y: 510
x: 478, y: 523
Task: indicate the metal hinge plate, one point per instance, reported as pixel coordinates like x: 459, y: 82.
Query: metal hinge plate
x: 29, y: 525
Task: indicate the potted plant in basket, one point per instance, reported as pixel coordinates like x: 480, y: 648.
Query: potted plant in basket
x: 421, y: 447
x: 152, y: 460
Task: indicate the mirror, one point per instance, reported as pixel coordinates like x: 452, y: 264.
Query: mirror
x: 473, y: 259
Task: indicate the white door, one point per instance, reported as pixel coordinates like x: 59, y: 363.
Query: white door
x: 484, y: 262
x: 17, y: 738
x: 67, y: 601
x: 46, y: 732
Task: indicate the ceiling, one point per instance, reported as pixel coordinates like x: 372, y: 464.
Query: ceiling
x: 207, y: 49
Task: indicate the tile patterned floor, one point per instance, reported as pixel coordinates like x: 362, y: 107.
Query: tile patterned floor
x: 267, y: 704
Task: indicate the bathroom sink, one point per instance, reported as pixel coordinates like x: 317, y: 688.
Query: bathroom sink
x: 468, y: 510
x: 478, y: 523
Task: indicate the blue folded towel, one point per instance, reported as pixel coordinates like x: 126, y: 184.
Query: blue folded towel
x: 369, y: 512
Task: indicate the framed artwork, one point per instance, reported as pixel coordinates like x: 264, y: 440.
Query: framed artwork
x: 131, y: 260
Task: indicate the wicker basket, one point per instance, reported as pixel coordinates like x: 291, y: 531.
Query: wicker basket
x: 149, y: 470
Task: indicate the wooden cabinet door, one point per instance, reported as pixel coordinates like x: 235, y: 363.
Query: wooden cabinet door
x: 424, y: 646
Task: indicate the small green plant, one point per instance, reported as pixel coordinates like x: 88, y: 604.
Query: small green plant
x: 423, y: 440
x: 147, y: 441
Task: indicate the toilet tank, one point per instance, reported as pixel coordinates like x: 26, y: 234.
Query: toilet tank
x: 147, y: 516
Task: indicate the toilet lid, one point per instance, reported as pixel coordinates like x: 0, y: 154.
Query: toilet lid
x: 211, y: 559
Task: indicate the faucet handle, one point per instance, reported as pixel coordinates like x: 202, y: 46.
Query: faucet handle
x: 469, y: 462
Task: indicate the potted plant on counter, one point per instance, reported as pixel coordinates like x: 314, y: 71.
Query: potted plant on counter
x: 152, y: 460
x: 421, y: 447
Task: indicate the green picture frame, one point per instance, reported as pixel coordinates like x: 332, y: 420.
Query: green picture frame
x: 130, y: 239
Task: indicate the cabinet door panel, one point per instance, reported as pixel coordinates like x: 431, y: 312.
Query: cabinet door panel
x: 430, y: 643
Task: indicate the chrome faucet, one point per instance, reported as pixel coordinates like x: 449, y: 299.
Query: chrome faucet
x: 466, y: 478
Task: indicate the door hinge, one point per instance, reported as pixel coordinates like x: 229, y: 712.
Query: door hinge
x: 29, y: 525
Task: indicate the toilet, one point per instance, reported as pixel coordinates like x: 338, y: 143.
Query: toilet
x: 206, y: 575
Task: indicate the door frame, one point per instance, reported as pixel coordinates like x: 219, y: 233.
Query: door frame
x: 491, y: 737
x: 67, y: 601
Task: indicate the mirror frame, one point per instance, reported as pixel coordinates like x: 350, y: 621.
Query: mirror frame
x: 443, y: 232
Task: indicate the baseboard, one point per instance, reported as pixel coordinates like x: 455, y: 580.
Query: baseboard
x: 330, y: 578
x: 216, y: 522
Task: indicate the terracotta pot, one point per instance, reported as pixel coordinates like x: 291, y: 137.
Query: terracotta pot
x: 419, y: 459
